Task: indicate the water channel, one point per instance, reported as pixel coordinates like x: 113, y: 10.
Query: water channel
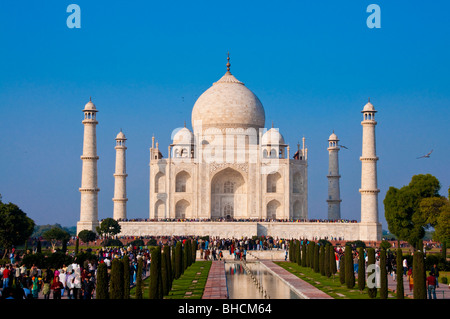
x: 252, y: 280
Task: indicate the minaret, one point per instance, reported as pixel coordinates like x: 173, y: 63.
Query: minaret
x: 371, y: 229
x: 120, y: 185
x: 334, y: 201
x: 89, y: 190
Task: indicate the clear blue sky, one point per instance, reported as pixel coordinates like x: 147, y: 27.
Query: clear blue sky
x: 313, y: 64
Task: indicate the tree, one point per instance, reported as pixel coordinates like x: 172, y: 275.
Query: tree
x: 342, y: 270
x: 402, y: 210
x: 361, y: 270
x: 316, y: 258
x: 87, y: 236
x: 442, y: 226
x: 55, y: 235
x: 102, y: 282
x: 419, y: 288
x: 333, y: 266
x: 383, y: 275
x: 156, y: 289
x: 116, y: 283
x: 326, y: 263
x: 399, y: 260
x: 349, y: 273
x: 139, y: 282
x: 126, y: 277
x: 15, y: 226
x: 77, y: 245
x: 178, y: 260
x: 371, y: 273
x: 322, y: 260
x: 165, y: 270
x: 108, y: 227
x: 298, y: 253
x: 304, y: 254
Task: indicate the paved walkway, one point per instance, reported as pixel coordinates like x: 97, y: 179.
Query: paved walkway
x: 303, y: 288
x: 216, y: 284
x: 443, y: 292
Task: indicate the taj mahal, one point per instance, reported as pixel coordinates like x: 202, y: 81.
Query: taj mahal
x: 230, y: 176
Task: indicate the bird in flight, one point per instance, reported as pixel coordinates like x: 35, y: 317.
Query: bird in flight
x: 427, y: 155
x: 343, y: 146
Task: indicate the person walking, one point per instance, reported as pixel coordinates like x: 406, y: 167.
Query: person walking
x: 70, y: 285
x: 410, y: 279
x: 405, y: 266
x: 35, y: 287
x: 431, y: 285
x: 57, y: 287
x: 6, y: 273
x: 435, y: 273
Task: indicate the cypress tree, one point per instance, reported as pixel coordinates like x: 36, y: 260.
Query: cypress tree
x: 419, y: 288
x: 186, y: 254
x: 361, y: 270
x: 349, y: 273
x: 383, y: 275
x: 126, y: 277
x: 139, y: 283
x: 173, y: 261
x: 308, y: 255
x: 371, y: 273
x: 400, y: 288
x: 178, y: 260
x: 170, y: 267
x: 326, y: 263
x: 333, y: 265
x: 299, y: 253
x: 155, y: 291
x: 116, y: 284
x: 342, y: 270
x: 291, y: 244
x: 77, y: 245
x: 304, y: 254
x: 312, y: 251
x: 316, y: 258
x: 102, y: 282
x: 322, y: 260
x: 194, y: 251
x: 165, y: 272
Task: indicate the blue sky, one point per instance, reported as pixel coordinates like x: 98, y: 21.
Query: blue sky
x: 313, y: 65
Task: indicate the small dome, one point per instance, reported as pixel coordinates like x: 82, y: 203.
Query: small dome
x: 183, y: 136
x: 369, y: 108
x: 333, y: 137
x: 121, y: 136
x: 272, y: 137
x: 90, y: 106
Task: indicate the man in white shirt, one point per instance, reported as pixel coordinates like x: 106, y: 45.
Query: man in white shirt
x: 405, y: 266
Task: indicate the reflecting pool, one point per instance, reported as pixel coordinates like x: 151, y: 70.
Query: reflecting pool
x: 253, y: 280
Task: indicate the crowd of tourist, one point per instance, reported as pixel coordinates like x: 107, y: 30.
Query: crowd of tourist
x: 259, y: 220
x: 77, y: 280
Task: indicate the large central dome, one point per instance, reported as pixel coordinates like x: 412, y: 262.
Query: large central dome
x: 228, y: 103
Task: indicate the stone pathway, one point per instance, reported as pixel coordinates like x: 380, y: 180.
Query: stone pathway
x: 443, y: 292
x: 216, y: 284
x: 305, y: 289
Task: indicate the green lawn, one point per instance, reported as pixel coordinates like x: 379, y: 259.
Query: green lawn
x: 331, y: 286
x: 190, y: 285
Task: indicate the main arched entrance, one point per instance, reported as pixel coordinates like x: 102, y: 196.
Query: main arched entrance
x: 228, y: 195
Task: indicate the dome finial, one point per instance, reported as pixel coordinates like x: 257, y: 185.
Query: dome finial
x: 228, y: 62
